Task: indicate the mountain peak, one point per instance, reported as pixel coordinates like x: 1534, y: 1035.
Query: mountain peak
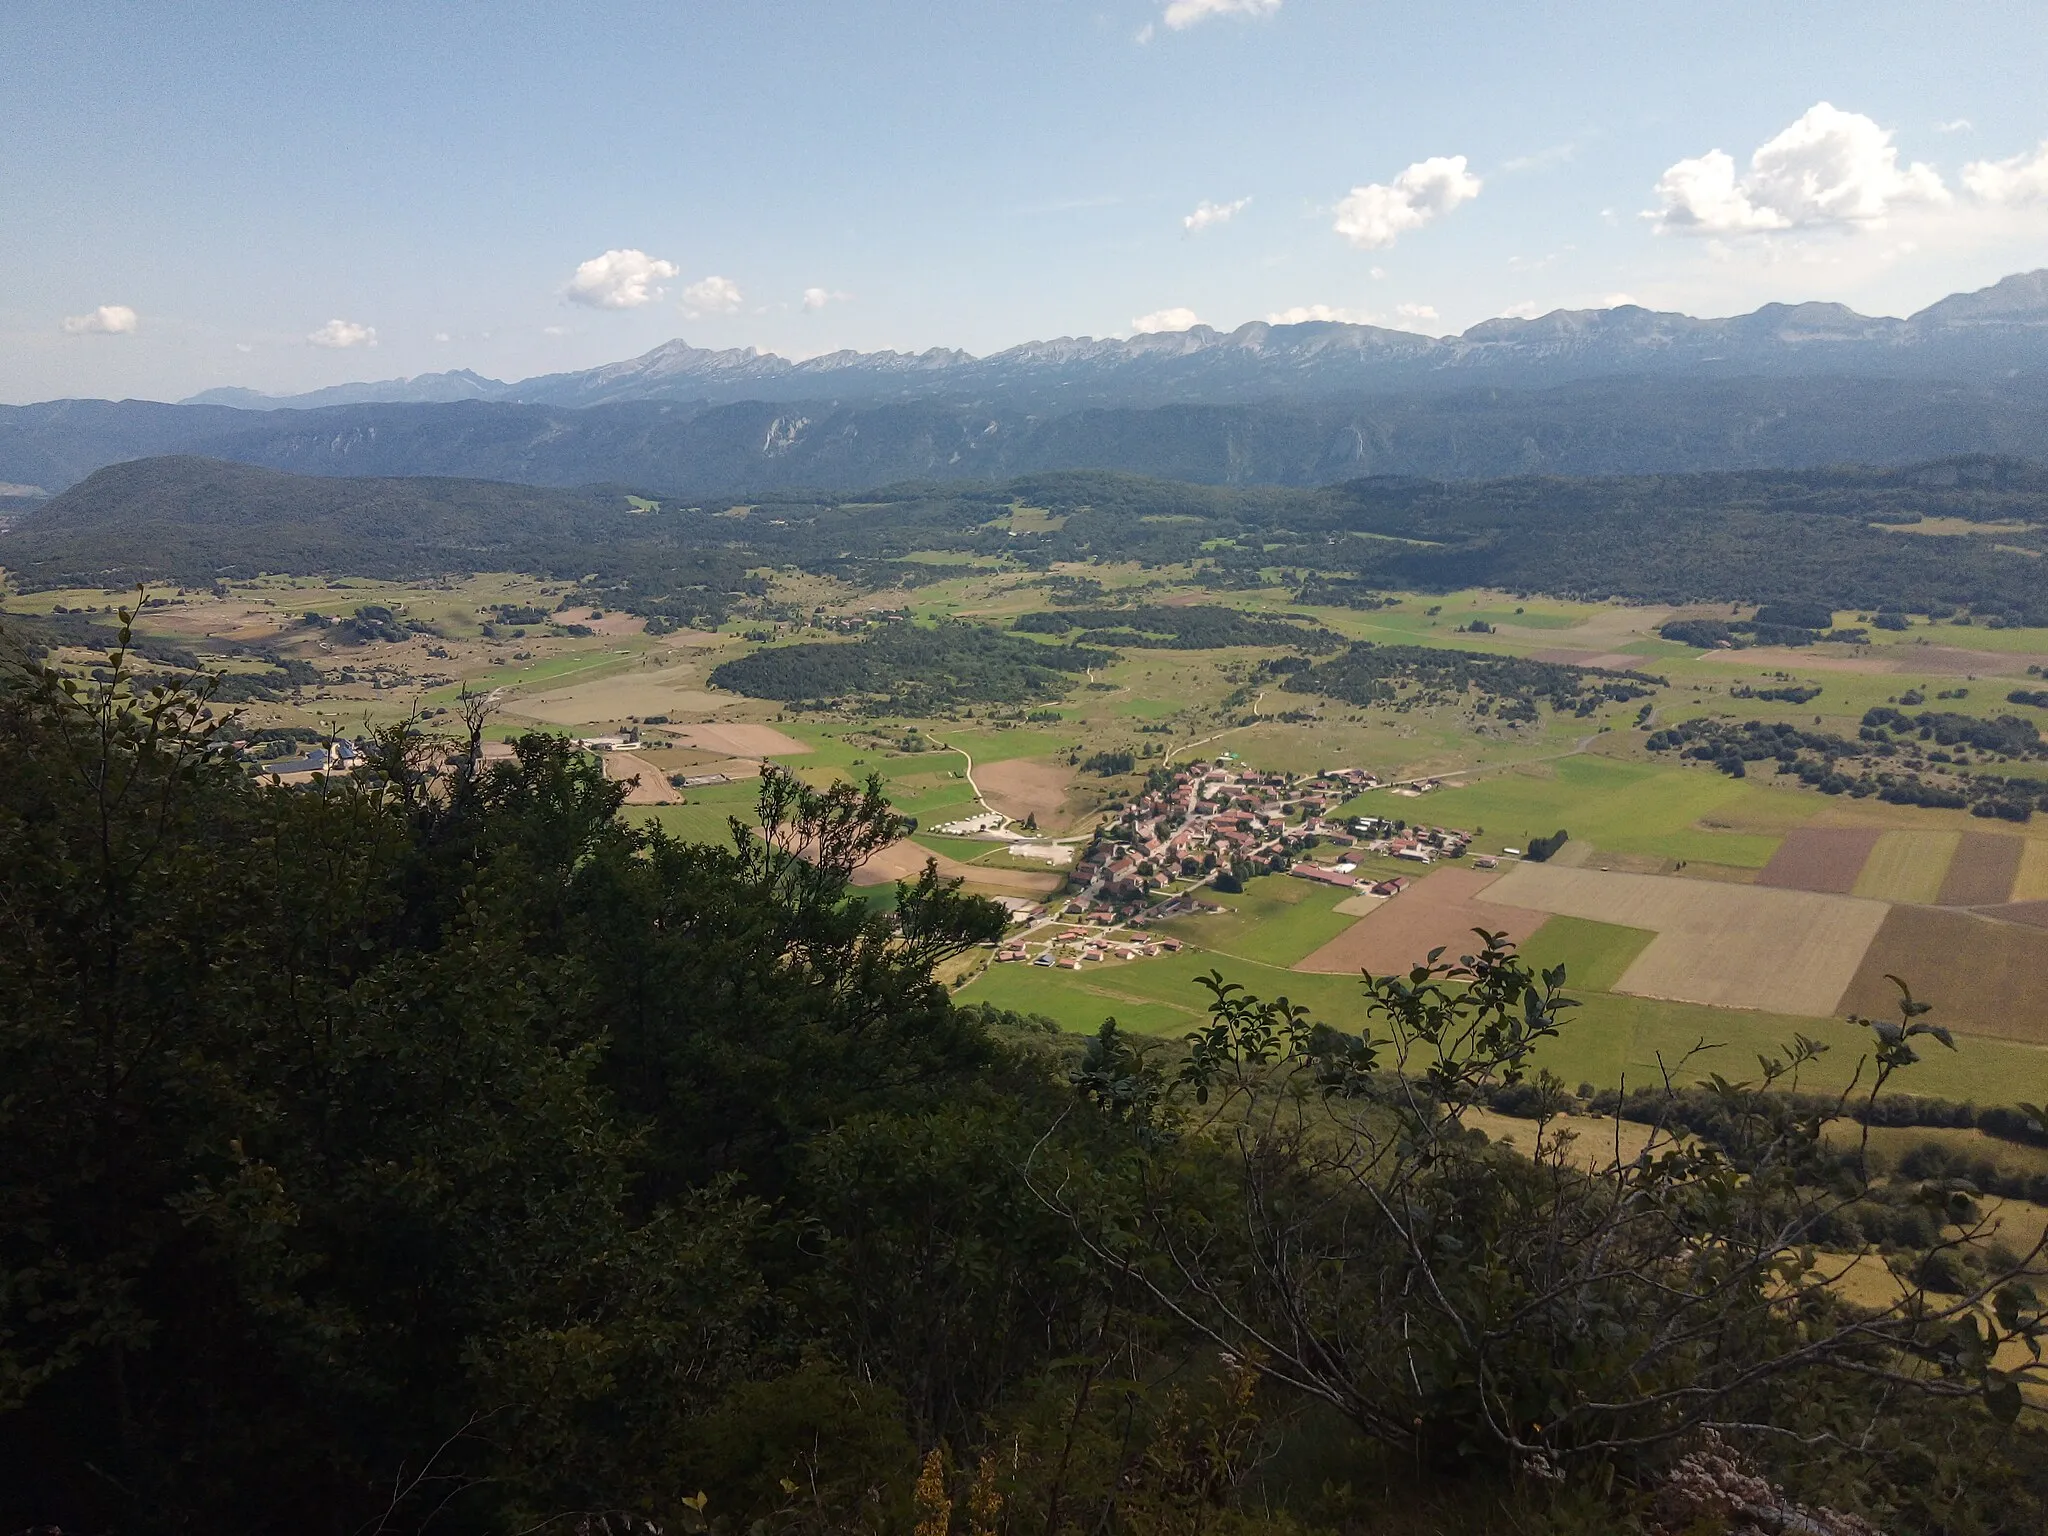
x: 2022, y: 297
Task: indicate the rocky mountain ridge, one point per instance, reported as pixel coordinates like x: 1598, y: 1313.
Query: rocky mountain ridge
x: 1994, y: 331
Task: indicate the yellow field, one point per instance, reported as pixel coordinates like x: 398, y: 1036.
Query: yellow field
x: 1907, y: 866
x: 2032, y: 884
x: 673, y: 690
x: 1730, y: 946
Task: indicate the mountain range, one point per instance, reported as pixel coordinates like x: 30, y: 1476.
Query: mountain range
x: 1615, y: 391
x: 1967, y: 335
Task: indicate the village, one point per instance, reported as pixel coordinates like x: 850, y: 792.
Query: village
x: 1213, y: 826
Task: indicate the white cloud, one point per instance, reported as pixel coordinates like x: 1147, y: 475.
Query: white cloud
x: 818, y: 298
x: 1956, y: 125
x: 1528, y: 309
x: 1179, y: 319
x: 1828, y: 169
x: 343, y: 333
x: 442, y: 336
x: 1542, y: 159
x: 712, y: 295
x: 2022, y: 179
x: 619, y: 280
x: 554, y: 330
x: 1301, y: 314
x: 1410, y: 315
x: 1207, y: 213
x: 107, y: 320
x: 1185, y: 13
x: 243, y: 346
x: 1375, y: 216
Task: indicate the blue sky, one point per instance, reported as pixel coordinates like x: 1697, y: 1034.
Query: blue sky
x: 285, y: 196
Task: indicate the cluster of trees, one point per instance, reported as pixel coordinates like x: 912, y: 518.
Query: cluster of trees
x: 1705, y: 634
x: 1507, y: 686
x: 1892, y: 759
x: 36, y: 635
x: 910, y: 668
x: 431, y: 1149
x: 1196, y: 627
x: 1788, y: 693
x: 1109, y: 763
x: 2006, y: 736
x: 1542, y: 849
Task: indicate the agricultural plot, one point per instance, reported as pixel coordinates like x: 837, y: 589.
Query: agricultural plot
x: 1022, y: 787
x: 738, y: 739
x: 1986, y: 977
x: 646, y: 784
x: 1440, y: 910
x: 636, y: 694
x: 1983, y: 870
x: 905, y: 860
x: 1908, y: 866
x: 1820, y: 859
x: 2031, y: 882
x: 1595, y: 955
x: 1792, y: 952
x: 1627, y: 807
x: 1275, y: 920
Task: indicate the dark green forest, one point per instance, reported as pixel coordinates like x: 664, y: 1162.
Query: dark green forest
x: 432, y: 1149
x: 1794, y: 537
x: 1508, y: 687
x: 906, y: 668
x: 1190, y: 627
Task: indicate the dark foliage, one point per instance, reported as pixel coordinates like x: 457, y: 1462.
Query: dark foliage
x: 1196, y: 627
x: 1803, y: 538
x: 429, y: 1149
x: 1903, y: 759
x: 1376, y: 674
x: 912, y: 669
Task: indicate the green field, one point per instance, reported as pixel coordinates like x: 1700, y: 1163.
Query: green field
x: 1609, y: 1040
x: 1653, y: 809
x: 1276, y: 920
x: 1594, y: 955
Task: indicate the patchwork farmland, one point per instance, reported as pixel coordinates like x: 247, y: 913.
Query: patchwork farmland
x: 1725, y: 945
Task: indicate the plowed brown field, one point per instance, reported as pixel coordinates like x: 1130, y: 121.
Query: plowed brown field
x: 1986, y: 977
x: 1820, y: 859
x: 1983, y: 871
x: 905, y: 860
x: 1441, y: 909
x: 1027, y: 786
x: 738, y: 740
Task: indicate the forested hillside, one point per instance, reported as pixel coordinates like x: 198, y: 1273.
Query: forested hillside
x: 1841, y: 537
x: 429, y: 1149
x: 691, y: 447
